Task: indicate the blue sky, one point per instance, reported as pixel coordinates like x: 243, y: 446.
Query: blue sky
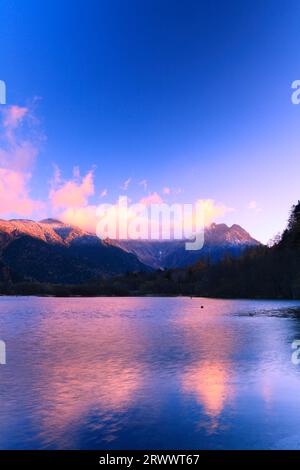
x: 194, y: 96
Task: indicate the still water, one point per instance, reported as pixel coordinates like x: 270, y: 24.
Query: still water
x: 149, y: 373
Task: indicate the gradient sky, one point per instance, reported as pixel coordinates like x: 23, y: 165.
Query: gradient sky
x: 191, y: 96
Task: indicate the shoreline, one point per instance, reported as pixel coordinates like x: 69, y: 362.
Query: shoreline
x: 139, y: 295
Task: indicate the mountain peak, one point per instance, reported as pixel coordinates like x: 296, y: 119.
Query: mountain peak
x: 219, y: 240
x: 51, y: 221
x: 51, y: 251
x: 215, y: 226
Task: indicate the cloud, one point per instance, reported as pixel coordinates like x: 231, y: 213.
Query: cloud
x: 76, y: 172
x: 73, y: 193
x: 19, y: 146
x: 14, y: 185
x: 144, y: 183
x: 56, y: 180
x: 166, y: 190
x: 83, y: 217
x: 153, y: 198
x: 70, y: 199
x: 116, y: 214
x: 13, y: 116
x: 103, y: 193
x: 125, y: 185
x: 254, y: 206
x: 212, y: 210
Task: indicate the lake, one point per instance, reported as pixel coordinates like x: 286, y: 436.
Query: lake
x: 149, y: 373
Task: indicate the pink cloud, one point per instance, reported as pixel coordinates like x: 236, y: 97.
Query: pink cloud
x: 72, y: 193
x: 167, y: 190
x: 19, y: 146
x: 83, y: 217
x: 19, y: 156
x: 212, y: 210
x: 87, y: 217
x: 13, y: 115
x: 153, y: 198
x: 14, y: 185
x: 18, y: 151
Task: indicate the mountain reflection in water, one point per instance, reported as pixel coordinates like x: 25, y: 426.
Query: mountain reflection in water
x: 117, y: 373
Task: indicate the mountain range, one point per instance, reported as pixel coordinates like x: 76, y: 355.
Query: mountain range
x: 50, y: 251
x: 219, y: 241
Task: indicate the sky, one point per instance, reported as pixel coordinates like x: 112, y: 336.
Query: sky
x: 166, y: 100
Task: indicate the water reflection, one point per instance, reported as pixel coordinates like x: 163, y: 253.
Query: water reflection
x: 209, y: 383
x: 88, y: 363
x: 124, y: 373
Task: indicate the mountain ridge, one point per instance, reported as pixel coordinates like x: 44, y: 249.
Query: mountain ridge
x: 52, y: 251
x: 219, y: 240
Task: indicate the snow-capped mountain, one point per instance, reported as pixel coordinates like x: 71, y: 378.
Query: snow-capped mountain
x: 219, y: 241
x: 49, y: 230
x: 54, y: 252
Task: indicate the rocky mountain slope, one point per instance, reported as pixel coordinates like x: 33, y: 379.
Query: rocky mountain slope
x: 50, y: 251
x: 54, y: 252
x: 219, y: 241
